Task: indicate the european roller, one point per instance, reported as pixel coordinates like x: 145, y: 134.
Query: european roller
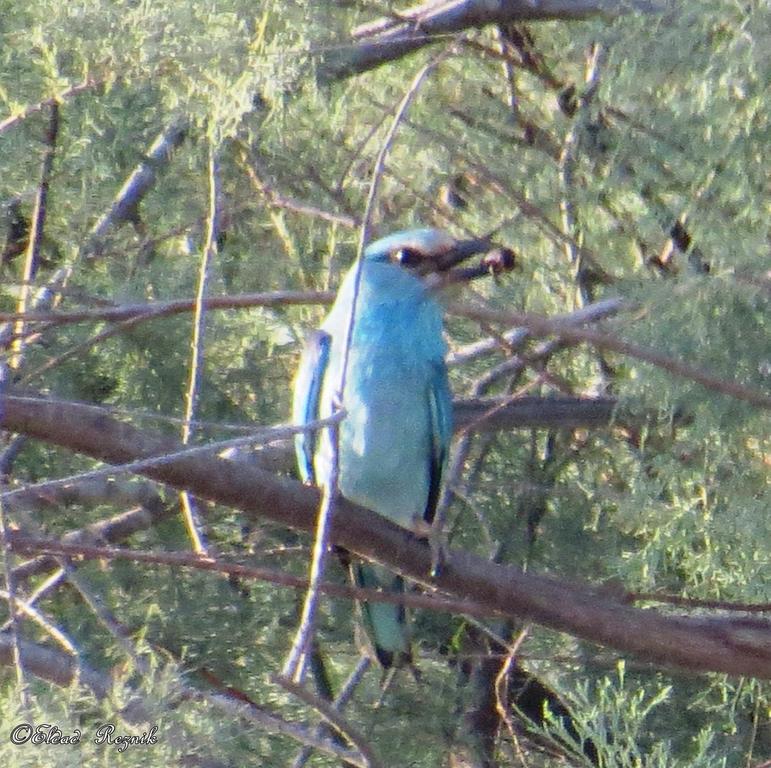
x: 395, y: 436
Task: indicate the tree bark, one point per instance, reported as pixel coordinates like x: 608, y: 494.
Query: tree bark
x: 735, y: 645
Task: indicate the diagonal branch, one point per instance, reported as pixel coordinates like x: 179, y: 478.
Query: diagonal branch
x: 190, y: 511
x: 125, y: 206
x: 89, y: 84
x: 333, y: 717
x: 739, y: 646
x: 32, y: 259
x: 544, y: 326
x: 417, y: 27
x: 64, y: 670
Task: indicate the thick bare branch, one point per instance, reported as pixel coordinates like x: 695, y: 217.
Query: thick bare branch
x: 478, y: 415
x: 55, y: 666
x: 113, y: 529
x: 124, y: 207
x: 417, y: 27
x: 740, y: 646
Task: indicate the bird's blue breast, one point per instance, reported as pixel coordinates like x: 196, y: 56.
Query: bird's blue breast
x: 385, y: 439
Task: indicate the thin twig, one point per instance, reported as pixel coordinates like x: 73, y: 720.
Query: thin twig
x: 567, y: 166
x: 361, y: 145
x: 342, y: 699
x: 294, y: 667
x: 51, y: 583
x: 105, y: 616
x: 140, y: 414
x: 333, y: 717
x: 509, y: 71
x: 155, y: 311
x: 528, y: 209
x: 26, y: 608
x: 511, y: 339
x: 10, y: 585
x: 32, y: 257
x: 695, y: 602
x: 87, y: 85
x: 279, y: 200
x: 22, y: 543
x: 158, y: 309
x: 501, y: 683
x: 143, y: 464
x: 191, y: 516
x: 83, y: 346
x: 275, y: 724
x: 544, y: 326
x: 377, y: 173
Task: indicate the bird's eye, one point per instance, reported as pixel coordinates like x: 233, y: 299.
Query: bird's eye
x: 407, y: 257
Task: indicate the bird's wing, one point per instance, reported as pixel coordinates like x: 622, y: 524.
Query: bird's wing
x: 307, y: 393
x: 440, y: 425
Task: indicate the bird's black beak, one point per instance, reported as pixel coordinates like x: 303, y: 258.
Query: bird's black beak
x: 496, y: 260
x: 460, y: 252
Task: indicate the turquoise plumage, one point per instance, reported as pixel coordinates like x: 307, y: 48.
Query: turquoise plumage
x: 396, y: 434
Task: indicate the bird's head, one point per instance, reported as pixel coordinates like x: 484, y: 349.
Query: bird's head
x: 424, y: 251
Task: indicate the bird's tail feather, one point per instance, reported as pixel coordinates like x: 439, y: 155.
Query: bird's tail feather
x: 385, y: 623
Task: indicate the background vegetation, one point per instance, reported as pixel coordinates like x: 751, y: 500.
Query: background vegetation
x: 621, y: 156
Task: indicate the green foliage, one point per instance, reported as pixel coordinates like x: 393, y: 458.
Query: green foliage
x: 673, y: 497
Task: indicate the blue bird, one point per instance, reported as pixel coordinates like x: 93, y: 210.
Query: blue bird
x: 395, y: 436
